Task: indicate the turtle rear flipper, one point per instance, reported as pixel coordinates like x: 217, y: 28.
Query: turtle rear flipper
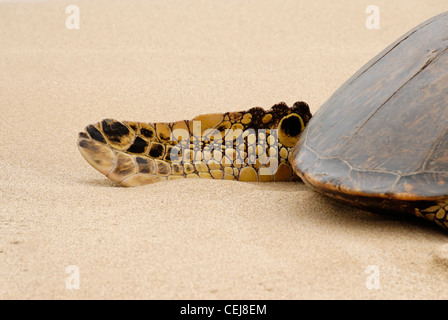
x: 252, y: 145
x: 119, y: 150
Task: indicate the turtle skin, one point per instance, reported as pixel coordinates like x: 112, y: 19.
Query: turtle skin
x: 252, y: 145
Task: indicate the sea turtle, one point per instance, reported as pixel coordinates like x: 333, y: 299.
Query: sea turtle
x: 380, y: 142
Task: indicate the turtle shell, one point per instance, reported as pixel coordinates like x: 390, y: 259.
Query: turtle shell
x: 382, y: 139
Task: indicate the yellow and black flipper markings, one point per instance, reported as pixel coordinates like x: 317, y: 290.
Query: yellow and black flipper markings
x: 252, y: 145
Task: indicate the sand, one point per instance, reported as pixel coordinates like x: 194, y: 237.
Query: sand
x: 190, y: 239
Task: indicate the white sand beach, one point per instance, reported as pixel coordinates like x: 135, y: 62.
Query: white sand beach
x: 189, y: 239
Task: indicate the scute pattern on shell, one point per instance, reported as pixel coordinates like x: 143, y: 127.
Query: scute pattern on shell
x: 381, y: 141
